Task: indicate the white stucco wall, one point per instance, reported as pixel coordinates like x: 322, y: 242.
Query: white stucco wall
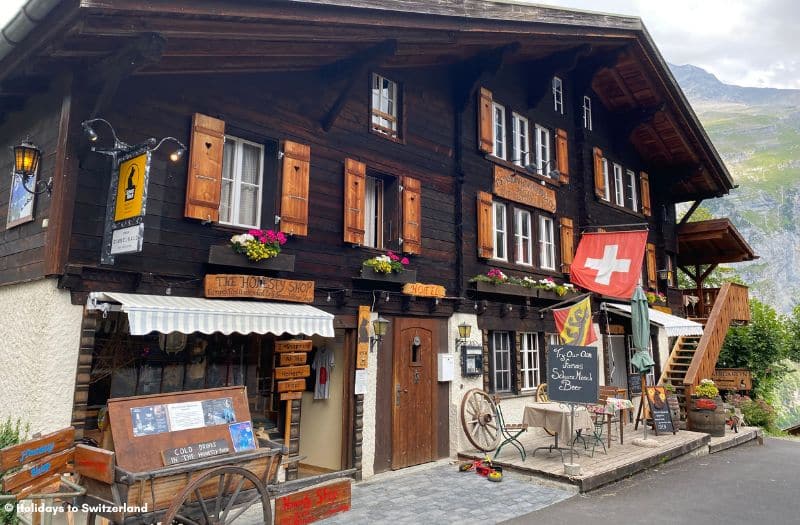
x: 460, y: 386
x: 40, y: 332
x: 370, y: 403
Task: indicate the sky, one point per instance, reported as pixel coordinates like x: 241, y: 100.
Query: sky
x: 743, y: 42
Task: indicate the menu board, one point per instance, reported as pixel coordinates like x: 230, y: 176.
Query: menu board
x: 634, y: 384
x: 572, y: 373
x: 659, y: 409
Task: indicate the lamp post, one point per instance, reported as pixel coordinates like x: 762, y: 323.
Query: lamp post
x: 26, y: 165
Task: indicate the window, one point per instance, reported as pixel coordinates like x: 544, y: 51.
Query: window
x: 384, y: 106
x: 632, y: 199
x: 499, y: 131
x: 542, y: 151
x: 547, y: 257
x: 242, y: 173
x: 373, y: 212
x: 501, y: 361
x: 522, y: 237
x: 619, y: 190
x: 519, y: 137
x: 529, y: 354
x: 499, y: 231
x: 606, y: 181
x: 558, y: 95
x: 587, y: 113
x: 552, y: 339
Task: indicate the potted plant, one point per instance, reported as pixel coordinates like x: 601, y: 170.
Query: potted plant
x: 655, y: 297
x: 706, y: 412
x: 254, y: 249
x: 389, y: 267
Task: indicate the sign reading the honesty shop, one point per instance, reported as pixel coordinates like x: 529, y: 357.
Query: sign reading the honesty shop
x: 572, y: 373
x: 258, y: 287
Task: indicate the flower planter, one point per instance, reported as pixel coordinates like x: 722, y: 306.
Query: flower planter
x: 505, y: 289
x: 707, y: 421
x: 406, y: 276
x: 553, y: 296
x: 225, y: 256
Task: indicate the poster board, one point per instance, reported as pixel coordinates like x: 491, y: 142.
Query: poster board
x: 659, y: 410
x: 183, y: 419
x: 572, y: 373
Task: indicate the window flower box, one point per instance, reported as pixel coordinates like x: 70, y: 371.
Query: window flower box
x: 224, y: 256
x: 405, y: 276
x: 505, y: 289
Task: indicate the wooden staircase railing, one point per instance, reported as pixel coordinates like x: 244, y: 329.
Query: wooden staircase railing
x: 731, y: 305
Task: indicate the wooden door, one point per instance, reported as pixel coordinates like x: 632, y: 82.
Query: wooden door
x: 414, y: 394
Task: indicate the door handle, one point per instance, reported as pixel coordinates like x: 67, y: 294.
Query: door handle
x: 397, y: 390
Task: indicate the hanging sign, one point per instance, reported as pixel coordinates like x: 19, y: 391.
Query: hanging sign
x: 362, y: 348
x: 424, y: 290
x: 572, y: 373
x: 294, y: 345
x: 259, y: 287
x: 292, y: 372
x: 292, y: 358
x: 733, y: 379
x: 292, y: 385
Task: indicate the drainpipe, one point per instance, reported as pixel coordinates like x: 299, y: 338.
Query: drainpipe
x: 23, y: 24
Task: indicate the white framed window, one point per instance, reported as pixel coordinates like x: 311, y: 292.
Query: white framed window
x: 632, y: 197
x: 501, y: 361
x: 499, y: 118
x: 547, y: 253
x: 519, y: 139
x: 522, y: 237
x: 606, y: 181
x: 558, y: 95
x: 619, y: 189
x: 542, y: 151
x: 529, y: 357
x: 500, y: 231
x: 651, y: 375
x: 385, y: 104
x: 242, y: 179
x: 373, y: 212
x: 587, y: 113
x: 552, y: 339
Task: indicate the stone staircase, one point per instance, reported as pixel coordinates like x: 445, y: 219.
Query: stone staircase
x: 678, y: 364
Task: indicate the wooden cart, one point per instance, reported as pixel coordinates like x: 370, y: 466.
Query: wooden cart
x: 131, y: 485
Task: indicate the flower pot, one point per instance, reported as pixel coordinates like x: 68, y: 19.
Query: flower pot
x: 505, y: 289
x: 225, y: 256
x: 706, y: 420
x: 406, y: 276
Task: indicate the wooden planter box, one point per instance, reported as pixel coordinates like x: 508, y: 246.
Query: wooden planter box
x: 553, y: 296
x: 225, y: 256
x: 505, y: 289
x: 406, y: 276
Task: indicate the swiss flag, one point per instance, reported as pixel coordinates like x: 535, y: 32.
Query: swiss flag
x: 609, y: 263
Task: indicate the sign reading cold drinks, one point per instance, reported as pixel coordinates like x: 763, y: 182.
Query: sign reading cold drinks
x: 572, y: 373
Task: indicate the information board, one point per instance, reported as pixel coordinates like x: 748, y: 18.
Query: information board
x: 634, y: 384
x: 659, y: 410
x: 572, y: 373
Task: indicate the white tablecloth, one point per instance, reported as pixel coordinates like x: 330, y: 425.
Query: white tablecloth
x: 555, y: 417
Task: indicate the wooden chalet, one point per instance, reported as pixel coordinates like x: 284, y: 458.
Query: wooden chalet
x: 464, y: 135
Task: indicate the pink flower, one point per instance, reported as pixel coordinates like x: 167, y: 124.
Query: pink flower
x: 393, y: 256
x: 404, y: 261
x: 255, y: 233
x: 281, y: 238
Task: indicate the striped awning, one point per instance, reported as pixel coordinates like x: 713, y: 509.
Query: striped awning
x: 674, y: 326
x: 165, y: 314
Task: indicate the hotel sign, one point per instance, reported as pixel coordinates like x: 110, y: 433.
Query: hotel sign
x: 510, y: 185
x: 258, y: 287
x: 424, y: 290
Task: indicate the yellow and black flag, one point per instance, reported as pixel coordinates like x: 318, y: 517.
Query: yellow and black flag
x: 574, y: 324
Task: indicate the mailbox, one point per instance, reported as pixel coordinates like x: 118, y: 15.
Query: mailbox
x: 471, y: 360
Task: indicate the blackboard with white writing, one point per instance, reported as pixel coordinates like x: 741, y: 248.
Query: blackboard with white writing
x: 634, y: 384
x: 572, y: 374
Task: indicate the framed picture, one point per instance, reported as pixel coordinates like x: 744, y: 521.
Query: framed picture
x: 20, y: 202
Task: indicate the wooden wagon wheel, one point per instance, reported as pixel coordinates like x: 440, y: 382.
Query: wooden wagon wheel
x: 478, y: 420
x: 229, y: 502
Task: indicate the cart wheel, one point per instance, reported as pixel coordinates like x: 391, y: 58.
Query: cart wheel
x: 225, y: 499
x: 478, y: 420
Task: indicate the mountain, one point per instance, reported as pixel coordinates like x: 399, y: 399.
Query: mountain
x: 757, y: 133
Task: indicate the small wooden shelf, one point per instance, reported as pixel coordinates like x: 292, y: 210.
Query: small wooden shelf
x: 225, y: 256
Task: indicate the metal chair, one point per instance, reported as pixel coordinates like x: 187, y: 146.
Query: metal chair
x: 509, y: 433
x: 596, y: 437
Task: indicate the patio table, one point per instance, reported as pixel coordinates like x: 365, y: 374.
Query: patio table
x: 555, y: 418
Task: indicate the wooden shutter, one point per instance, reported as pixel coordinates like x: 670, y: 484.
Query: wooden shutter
x: 204, y: 180
x: 355, y: 181
x: 485, y: 225
x: 294, y: 188
x: 567, y: 243
x: 562, y: 156
x: 485, y: 121
x: 599, y: 180
x: 412, y: 215
x: 644, y: 185
x: 651, y: 266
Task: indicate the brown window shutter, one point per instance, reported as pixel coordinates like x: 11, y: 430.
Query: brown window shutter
x: 485, y: 121
x: 485, y: 222
x: 562, y: 156
x: 599, y: 181
x: 355, y: 179
x: 204, y: 181
x: 651, y: 266
x: 412, y: 215
x: 567, y: 243
x: 294, y: 188
x: 644, y: 185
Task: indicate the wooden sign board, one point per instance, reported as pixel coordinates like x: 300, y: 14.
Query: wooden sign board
x: 510, y: 185
x: 313, y: 504
x: 195, y: 451
x: 572, y: 374
x: 659, y: 410
x: 291, y: 396
x: 362, y: 347
x: 424, y: 290
x: 259, y: 287
x: 293, y: 346
x: 17, y: 455
x: 733, y: 379
x: 292, y: 358
x: 95, y: 463
x: 46, y: 466
x: 292, y: 385
x: 292, y: 372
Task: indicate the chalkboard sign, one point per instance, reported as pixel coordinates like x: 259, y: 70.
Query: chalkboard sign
x: 659, y: 410
x: 634, y: 384
x: 572, y: 373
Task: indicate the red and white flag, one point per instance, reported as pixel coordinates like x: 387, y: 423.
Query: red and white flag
x: 609, y: 263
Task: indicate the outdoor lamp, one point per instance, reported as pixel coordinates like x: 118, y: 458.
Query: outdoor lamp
x: 379, y: 326
x: 119, y: 146
x: 464, y: 331
x: 665, y: 274
x: 534, y: 168
x: 26, y: 165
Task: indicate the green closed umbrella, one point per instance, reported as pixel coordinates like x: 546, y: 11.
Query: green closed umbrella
x: 640, y: 326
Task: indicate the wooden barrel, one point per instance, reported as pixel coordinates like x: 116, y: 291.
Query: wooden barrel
x: 708, y: 421
x: 674, y: 409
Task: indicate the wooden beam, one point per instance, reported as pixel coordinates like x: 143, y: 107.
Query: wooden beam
x: 707, y: 272
x: 542, y: 71
x: 625, y: 122
x: 690, y: 211
x: 468, y: 74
